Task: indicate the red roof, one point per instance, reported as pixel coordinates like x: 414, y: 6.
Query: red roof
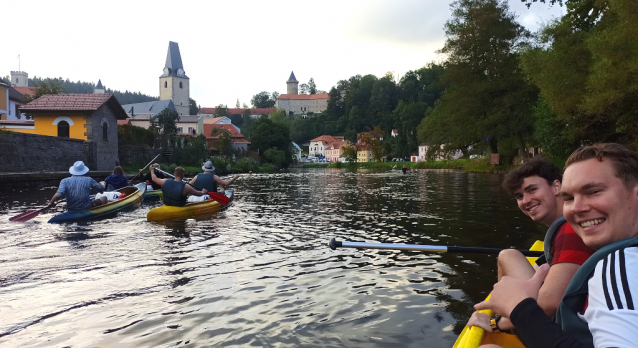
x: 303, y: 96
x: 75, y: 102
x: 254, y: 111
x: 208, y: 129
x: 26, y: 90
x: 337, y: 145
x: 123, y: 122
x: 326, y: 139
x: 17, y: 123
x: 395, y: 131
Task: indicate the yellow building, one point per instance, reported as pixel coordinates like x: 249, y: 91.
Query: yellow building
x: 4, y: 99
x: 89, y: 117
x: 364, y: 154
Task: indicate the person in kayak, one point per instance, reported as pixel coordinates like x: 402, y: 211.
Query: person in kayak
x: 600, y: 193
x: 209, y: 180
x: 115, y: 181
x: 536, y: 186
x: 77, y: 189
x: 149, y: 179
x: 176, y: 191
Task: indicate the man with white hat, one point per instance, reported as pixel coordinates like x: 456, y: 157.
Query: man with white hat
x: 77, y: 189
x: 209, y: 180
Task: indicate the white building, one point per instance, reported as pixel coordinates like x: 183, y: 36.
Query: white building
x: 318, y: 145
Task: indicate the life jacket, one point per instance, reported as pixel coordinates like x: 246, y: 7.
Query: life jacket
x: 575, y: 296
x: 550, y: 236
x: 206, y: 181
x: 172, y: 192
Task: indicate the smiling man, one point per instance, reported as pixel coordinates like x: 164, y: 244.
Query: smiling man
x: 600, y: 192
x: 536, y: 185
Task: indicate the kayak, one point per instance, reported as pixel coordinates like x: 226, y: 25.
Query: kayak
x: 134, y: 197
x: 188, y: 211
x: 476, y: 336
x: 153, y: 195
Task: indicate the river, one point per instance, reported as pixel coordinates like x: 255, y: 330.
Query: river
x: 260, y: 273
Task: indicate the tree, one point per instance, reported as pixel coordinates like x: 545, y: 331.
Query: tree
x: 312, y: 87
x: 266, y: 134
x: 237, y: 104
x: 349, y: 153
x: 221, y: 110
x: 487, y: 97
x: 303, y: 88
x: 165, y: 124
x: 262, y: 100
x: 193, y: 109
x: 275, y: 157
x: 44, y: 87
x: 275, y: 96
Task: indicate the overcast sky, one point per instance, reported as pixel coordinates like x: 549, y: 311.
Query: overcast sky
x: 230, y: 49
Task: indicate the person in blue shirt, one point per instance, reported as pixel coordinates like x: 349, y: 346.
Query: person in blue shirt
x: 115, y: 181
x: 77, y: 189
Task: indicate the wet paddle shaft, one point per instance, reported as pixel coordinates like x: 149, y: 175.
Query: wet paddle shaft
x: 334, y: 244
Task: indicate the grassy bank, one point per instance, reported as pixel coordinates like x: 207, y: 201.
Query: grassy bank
x: 473, y: 165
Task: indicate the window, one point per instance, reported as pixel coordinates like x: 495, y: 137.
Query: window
x: 105, y: 132
x: 180, y: 130
x: 17, y: 80
x: 191, y: 130
x: 165, y: 84
x: 63, y: 129
x: 181, y: 85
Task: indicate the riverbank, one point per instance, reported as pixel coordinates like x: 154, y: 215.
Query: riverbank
x: 479, y: 165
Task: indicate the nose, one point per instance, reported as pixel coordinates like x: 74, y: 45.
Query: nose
x: 579, y: 205
x: 526, y: 198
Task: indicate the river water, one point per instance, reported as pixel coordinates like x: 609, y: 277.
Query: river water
x: 260, y: 273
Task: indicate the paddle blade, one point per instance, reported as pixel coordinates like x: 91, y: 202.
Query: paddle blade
x: 26, y: 216
x: 222, y: 199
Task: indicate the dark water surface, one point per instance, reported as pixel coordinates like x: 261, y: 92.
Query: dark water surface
x: 260, y: 273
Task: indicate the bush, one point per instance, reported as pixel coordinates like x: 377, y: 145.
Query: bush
x: 133, y: 135
x: 245, y: 165
x: 275, y: 157
x: 193, y: 152
x: 267, y: 168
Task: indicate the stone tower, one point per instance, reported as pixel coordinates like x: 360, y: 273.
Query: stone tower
x: 99, y: 89
x: 174, y: 84
x: 19, y: 79
x: 293, y: 84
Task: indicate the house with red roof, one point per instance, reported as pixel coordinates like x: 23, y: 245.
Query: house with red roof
x: 89, y: 117
x: 319, y: 145
x: 334, y: 152
x: 212, y: 131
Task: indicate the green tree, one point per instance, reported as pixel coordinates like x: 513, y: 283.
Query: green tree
x: 192, y: 106
x: 262, y: 100
x: 312, y: 87
x: 221, y: 110
x: 165, y: 123
x: 487, y: 97
x: 275, y: 157
x: 265, y: 134
x: 349, y: 153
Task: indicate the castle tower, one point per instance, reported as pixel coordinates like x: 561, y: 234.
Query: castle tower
x: 99, y: 89
x: 174, y: 84
x: 293, y: 84
x: 19, y: 79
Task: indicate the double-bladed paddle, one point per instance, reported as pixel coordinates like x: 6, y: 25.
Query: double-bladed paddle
x: 146, y: 166
x: 216, y: 196
x: 334, y: 244
x: 29, y: 214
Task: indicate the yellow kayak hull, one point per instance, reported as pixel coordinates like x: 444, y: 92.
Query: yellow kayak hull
x: 475, y: 336
x: 188, y: 211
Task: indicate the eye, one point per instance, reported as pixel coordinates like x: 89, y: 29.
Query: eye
x: 518, y: 197
x: 568, y: 198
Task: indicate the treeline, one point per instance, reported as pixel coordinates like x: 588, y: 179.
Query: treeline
x: 68, y: 86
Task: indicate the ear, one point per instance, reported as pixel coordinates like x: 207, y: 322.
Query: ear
x: 556, y: 187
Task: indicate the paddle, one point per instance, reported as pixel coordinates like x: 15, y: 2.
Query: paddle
x: 29, y: 214
x: 216, y: 196
x: 334, y: 244
x: 146, y: 166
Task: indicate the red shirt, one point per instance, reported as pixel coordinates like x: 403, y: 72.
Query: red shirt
x: 569, y: 247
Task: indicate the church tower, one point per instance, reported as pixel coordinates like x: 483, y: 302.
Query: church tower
x: 292, y: 84
x: 174, y: 84
x: 99, y: 89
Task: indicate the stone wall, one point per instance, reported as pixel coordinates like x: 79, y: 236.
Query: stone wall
x: 132, y: 154
x: 106, y: 151
x: 21, y: 152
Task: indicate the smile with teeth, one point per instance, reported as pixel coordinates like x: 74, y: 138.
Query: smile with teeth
x: 591, y: 222
x: 533, y: 207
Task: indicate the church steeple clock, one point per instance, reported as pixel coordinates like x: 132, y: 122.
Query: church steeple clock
x: 174, y: 84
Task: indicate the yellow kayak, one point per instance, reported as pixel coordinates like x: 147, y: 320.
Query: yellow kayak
x: 474, y: 337
x: 188, y: 211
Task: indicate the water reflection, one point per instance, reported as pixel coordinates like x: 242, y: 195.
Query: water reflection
x: 261, y: 273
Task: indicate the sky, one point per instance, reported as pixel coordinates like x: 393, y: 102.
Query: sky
x: 230, y: 49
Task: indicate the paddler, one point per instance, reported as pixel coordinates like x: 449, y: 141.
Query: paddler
x: 536, y: 186
x: 600, y: 194
x: 176, y: 191
x: 149, y: 179
x: 116, y: 180
x: 209, y: 180
x: 77, y: 189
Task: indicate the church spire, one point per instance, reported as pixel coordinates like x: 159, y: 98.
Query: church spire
x: 174, y: 65
x: 292, y: 77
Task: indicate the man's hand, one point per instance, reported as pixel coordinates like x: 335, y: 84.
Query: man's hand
x: 204, y: 191
x: 509, y: 292
x: 481, y: 320
x: 141, y: 170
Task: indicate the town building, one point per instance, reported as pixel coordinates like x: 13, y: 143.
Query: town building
x: 89, y: 117
x: 187, y: 125
x: 4, y: 99
x: 142, y: 113
x: 318, y: 145
x: 334, y: 152
x: 173, y: 83
x: 440, y: 155
x: 212, y: 120
x: 394, y: 133
x: 20, y: 82
x: 99, y: 89
x: 364, y: 152
x: 295, y: 103
x: 254, y: 112
x: 212, y: 138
